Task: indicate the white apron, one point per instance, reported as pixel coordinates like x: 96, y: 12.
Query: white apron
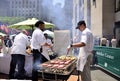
x: 82, y: 59
x: 45, y: 52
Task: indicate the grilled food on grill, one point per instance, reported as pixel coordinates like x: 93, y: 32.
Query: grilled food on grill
x: 61, y: 65
x: 66, y: 57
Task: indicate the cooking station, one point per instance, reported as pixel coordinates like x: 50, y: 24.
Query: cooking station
x: 57, y: 69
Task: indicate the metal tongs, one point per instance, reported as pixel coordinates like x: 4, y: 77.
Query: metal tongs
x: 66, y: 55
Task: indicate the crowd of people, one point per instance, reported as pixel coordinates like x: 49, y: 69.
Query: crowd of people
x: 39, y: 44
x: 5, y: 44
x: 107, y: 42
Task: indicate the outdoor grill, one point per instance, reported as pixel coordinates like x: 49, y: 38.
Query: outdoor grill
x: 58, y: 68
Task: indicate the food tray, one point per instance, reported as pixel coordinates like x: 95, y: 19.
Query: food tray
x: 59, y: 65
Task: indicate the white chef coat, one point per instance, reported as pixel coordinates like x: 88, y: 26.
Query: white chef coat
x: 38, y: 39
x: 20, y: 43
x: 46, y: 48
x: 85, y: 51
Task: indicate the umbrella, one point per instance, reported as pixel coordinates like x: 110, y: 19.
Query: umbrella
x: 2, y: 34
x: 30, y: 23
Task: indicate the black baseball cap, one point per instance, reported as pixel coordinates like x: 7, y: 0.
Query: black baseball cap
x: 80, y: 23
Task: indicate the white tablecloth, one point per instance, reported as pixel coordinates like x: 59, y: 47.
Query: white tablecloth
x: 5, y: 63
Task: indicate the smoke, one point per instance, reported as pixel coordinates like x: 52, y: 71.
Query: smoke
x: 55, y: 11
x: 59, y: 1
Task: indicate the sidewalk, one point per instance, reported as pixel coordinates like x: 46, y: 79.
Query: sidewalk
x: 96, y: 74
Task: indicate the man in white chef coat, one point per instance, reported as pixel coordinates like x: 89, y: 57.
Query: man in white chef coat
x: 18, y: 53
x: 37, y: 41
x: 85, y: 53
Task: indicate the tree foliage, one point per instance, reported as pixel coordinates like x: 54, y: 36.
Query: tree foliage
x: 11, y: 20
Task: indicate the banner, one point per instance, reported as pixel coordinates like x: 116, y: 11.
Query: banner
x: 109, y: 59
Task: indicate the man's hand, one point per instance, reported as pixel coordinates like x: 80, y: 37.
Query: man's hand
x: 46, y: 44
x: 68, y: 48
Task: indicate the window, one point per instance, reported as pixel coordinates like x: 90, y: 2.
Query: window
x: 94, y: 3
x: 117, y: 5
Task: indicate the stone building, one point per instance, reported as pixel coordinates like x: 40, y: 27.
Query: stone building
x: 101, y: 16
x: 24, y: 8
x: 4, y: 8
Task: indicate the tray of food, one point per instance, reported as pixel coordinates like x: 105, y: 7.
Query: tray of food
x: 61, y: 65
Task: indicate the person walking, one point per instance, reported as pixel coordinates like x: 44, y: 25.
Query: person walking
x: 37, y: 41
x: 8, y: 44
x: 18, y: 53
x: 85, y: 53
x: 114, y: 42
x: 103, y: 41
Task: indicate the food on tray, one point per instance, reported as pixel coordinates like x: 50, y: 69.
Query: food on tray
x: 55, y: 65
x: 63, y: 57
x: 49, y: 65
x: 52, y: 61
x: 44, y: 64
x: 66, y: 62
x: 62, y: 62
x: 57, y: 62
x: 61, y: 66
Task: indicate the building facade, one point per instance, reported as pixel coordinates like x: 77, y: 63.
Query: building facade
x: 98, y: 14
x: 24, y: 8
x: 103, y: 18
x: 4, y: 10
x: 68, y: 13
x: 78, y: 14
x: 117, y: 20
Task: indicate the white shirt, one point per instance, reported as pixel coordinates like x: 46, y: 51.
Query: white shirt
x: 103, y: 41
x: 38, y: 39
x: 20, y: 43
x: 85, y: 51
x: 46, y: 49
x: 87, y: 38
x: 108, y: 42
x: 114, y: 42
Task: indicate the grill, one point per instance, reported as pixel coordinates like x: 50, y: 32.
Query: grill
x: 59, y: 68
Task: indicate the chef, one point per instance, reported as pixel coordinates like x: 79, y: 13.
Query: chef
x: 86, y: 47
x: 47, y: 49
x: 18, y: 53
x: 37, y: 41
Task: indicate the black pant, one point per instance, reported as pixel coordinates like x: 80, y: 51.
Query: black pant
x: 38, y: 58
x: 19, y: 60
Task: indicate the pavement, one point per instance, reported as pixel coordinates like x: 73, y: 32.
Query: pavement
x: 96, y: 73
x: 100, y: 75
